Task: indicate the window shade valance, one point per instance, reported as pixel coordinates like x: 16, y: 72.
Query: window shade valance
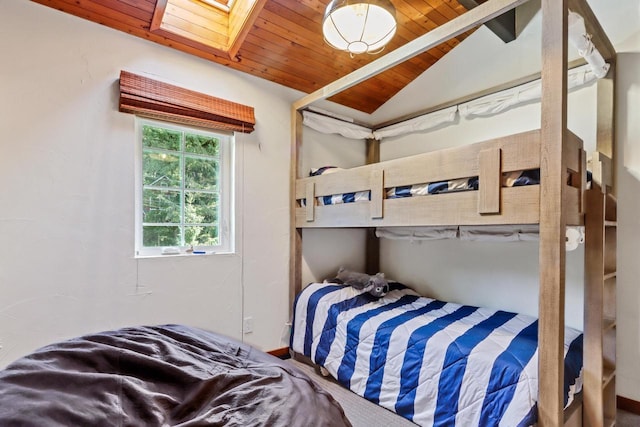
x: 158, y: 100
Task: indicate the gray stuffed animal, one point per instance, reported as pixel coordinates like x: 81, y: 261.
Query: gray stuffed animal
x: 376, y: 285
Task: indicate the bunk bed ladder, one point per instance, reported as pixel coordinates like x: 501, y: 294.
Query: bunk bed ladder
x: 599, y: 396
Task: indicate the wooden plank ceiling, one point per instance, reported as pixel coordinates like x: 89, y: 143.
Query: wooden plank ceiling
x: 282, y: 41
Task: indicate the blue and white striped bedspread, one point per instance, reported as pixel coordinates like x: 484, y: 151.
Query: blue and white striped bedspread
x: 433, y: 362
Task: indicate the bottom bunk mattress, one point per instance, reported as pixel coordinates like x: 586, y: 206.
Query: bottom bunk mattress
x: 160, y: 376
x: 433, y: 362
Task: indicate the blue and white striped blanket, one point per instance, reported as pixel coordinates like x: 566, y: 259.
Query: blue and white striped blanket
x: 433, y: 362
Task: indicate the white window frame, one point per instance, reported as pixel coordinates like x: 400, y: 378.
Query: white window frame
x: 226, y: 188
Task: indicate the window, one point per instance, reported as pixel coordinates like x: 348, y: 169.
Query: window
x: 184, y: 190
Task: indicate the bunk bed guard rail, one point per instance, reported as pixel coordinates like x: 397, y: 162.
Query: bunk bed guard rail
x: 491, y: 204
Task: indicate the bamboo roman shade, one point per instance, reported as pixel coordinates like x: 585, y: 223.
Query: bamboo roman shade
x: 158, y: 100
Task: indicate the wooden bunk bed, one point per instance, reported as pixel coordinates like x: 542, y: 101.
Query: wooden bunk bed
x: 559, y: 200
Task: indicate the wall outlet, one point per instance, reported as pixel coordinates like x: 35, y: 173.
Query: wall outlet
x: 247, y: 325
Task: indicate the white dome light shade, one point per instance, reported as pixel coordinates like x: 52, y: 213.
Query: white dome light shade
x: 359, y: 26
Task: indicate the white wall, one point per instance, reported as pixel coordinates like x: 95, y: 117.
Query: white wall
x: 67, y: 192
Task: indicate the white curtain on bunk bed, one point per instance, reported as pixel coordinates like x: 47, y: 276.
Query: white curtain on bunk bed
x: 486, y: 233
x: 532, y: 91
x: 325, y: 124
x: 418, y: 124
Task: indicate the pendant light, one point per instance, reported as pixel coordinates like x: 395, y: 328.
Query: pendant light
x: 359, y: 26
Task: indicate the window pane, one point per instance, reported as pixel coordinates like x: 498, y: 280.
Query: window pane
x: 160, y: 236
x: 201, y: 174
x: 160, y: 138
x: 200, y: 144
x: 200, y: 208
x: 161, y: 206
x: 201, y: 236
x: 161, y: 169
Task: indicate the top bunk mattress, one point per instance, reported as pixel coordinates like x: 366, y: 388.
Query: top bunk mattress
x: 433, y: 362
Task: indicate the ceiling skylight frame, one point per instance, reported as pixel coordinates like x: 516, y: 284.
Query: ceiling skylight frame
x: 222, y: 5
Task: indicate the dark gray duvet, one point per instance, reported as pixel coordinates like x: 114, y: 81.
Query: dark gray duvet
x: 160, y: 376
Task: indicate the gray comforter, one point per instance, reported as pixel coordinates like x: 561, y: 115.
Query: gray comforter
x: 160, y: 376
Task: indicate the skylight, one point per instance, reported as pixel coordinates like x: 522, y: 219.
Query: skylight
x: 216, y: 26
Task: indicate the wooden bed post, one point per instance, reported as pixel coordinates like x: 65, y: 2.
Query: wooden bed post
x: 295, y: 235
x: 372, y: 260
x: 552, y: 219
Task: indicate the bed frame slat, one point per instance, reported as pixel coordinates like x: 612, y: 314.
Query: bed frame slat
x: 572, y: 147
x: 489, y: 176
x: 377, y: 193
x: 572, y: 198
x: 601, y: 169
x: 311, y: 201
x: 519, y: 206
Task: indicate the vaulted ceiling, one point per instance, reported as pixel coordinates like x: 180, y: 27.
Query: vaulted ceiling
x: 278, y: 40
